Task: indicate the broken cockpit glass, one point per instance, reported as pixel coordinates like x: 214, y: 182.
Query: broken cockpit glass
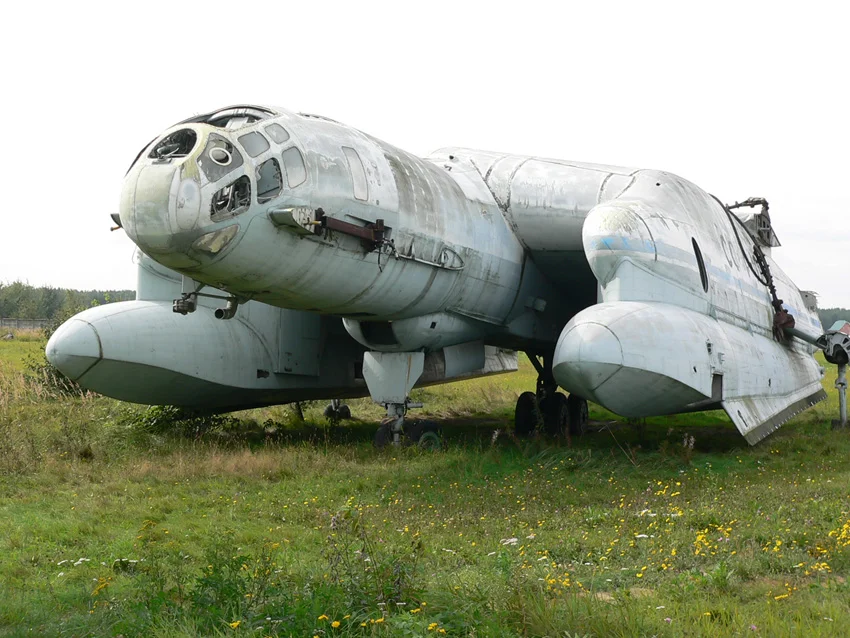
x: 269, y: 181
x: 231, y: 200
x: 177, y: 144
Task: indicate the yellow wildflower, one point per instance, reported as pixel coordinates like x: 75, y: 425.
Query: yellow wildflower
x: 235, y: 624
x: 335, y: 624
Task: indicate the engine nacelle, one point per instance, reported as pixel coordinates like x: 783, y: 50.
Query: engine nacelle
x: 428, y: 332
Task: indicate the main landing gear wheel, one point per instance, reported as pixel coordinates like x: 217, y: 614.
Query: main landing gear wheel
x: 526, y: 415
x: 578, y: 415
x: 337, y: 411
x: 384, y: 434
x: 427, y: 435
x: 556, y: 418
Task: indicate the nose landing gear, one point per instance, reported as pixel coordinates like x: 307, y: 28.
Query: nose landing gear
x: 548, y: 410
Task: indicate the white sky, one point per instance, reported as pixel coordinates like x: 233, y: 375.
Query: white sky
x: 743, y: 98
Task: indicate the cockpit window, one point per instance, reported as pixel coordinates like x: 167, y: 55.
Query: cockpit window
x: 219, y: 158
x: 277, y: 133
x: 233, y: 117
x: 296, y: 171
x: 254, y: 143
x: 231, y: 200
x: 358, y: 175
x: 177, y: 144
x: 703, y: 275
x: 269, y: 181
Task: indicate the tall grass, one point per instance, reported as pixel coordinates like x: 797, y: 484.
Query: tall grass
x: 118, y: 520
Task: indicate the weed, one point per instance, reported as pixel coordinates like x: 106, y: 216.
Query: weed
x: 374, y: 576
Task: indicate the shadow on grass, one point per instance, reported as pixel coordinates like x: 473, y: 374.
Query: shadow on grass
x: 708, y: 433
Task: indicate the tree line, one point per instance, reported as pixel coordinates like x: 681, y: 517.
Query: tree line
x: 22, y: 301
x: 829, y: 316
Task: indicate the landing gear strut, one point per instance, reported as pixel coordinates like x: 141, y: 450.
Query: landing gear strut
x: 548, y: 410
x: 390, y: 376
x: 337, y: 411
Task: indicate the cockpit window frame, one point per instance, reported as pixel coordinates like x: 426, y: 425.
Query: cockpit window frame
x: 299, y: 166
x: 265, y: 196
x: 213, y: 169
x: 221, y: 117
x: 249, y: 140
x: 272, y: 130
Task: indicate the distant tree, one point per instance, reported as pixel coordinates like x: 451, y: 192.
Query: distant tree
x: 23, y: 301
x: 829, y: 316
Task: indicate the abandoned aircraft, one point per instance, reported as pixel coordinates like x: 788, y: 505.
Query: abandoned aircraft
x: 350, y: 266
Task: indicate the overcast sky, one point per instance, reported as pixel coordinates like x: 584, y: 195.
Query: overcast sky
x: 744, y: 98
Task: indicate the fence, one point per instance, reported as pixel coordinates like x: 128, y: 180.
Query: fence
x: 24, y: 324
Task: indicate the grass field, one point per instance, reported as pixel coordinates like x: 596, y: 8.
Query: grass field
x: 111, y: 524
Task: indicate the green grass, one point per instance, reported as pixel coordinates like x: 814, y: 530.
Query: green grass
x: 266, y: 527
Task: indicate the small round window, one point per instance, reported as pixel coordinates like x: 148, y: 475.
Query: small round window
x: 703, y: 275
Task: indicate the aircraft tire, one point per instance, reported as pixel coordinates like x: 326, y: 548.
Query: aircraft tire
x: 525, y: 415
x: 556, y: 416
x: 384, y: 435
x: 344, y: 412
x: 426, y: 435
x: 578, y: 415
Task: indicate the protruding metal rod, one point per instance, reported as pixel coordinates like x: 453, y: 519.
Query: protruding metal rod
x: 803, y: 336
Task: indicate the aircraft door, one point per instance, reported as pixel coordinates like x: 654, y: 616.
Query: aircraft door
x: 300, y: 343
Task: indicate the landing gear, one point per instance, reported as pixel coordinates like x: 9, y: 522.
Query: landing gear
x: 426, y: 435
x: 556, y: 418
x: 548, y: 410
x: 578, y: 415
x: 390, y: 376
x: 392, y: 425
x: 526, y: 415
x: 337, y: 411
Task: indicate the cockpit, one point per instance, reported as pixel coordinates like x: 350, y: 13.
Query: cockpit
x: 208, y: 169
x: 180, y: 143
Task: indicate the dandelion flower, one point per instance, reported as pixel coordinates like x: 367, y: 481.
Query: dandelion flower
x: 335, y: 624
x: 235, y: 624
x: 323, y: 617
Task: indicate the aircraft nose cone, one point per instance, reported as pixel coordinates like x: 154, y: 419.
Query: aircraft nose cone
x: 586, y: 356
x: 74, y: 348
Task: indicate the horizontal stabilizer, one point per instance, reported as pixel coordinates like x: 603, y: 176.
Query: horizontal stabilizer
x: 757, y: 417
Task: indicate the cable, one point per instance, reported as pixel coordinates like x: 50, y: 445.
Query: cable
x: 782, y: 319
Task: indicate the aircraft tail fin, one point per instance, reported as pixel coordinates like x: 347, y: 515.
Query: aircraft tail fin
x: 757, y: 417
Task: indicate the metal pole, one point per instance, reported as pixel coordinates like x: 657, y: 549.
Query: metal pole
x: 841, y: 386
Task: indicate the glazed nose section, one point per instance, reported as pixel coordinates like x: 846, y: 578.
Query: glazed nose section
x: 161, y: 198
x: 586, y: 356
x: 74, y: 348
x: 613, y: 232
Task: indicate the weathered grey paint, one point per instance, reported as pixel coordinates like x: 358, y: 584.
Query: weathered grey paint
x: 661, y: 338
x: 141, y: 351
x: 489, y: 247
